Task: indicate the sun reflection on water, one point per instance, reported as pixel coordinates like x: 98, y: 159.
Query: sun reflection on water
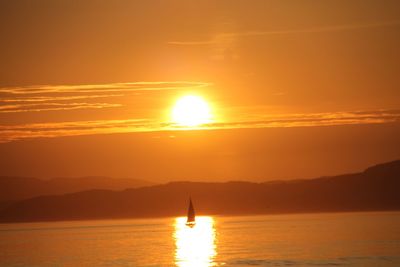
x: 195, y: 247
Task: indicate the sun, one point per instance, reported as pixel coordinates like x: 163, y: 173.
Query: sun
x: 191, y: 111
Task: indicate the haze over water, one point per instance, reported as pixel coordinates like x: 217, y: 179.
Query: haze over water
x: 336, y: 239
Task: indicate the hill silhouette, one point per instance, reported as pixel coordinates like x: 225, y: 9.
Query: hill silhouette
x: 19, y: 188
x: 375, y: 189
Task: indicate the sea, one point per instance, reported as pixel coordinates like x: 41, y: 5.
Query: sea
x: 323, y: 239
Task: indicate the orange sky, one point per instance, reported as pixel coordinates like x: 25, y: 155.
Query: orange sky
x: 298, y: 88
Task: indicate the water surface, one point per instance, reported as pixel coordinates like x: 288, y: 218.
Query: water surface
x: 335, y: 239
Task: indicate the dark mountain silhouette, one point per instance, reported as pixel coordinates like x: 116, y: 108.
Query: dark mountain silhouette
x: 19, y: 188
x: 377, y: 188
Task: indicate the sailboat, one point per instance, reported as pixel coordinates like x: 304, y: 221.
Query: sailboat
x: 191, y: 220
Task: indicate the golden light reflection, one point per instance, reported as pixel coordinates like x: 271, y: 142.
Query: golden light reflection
x: 195, y: 247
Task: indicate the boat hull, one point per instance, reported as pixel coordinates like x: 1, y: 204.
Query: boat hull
x: 190, y: 224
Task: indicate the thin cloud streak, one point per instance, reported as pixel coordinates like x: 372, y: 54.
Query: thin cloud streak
x: 58, y: 97
x: 223, y: 36
x: 53, y: 107
x: 53, y: 98
x: 101, y: 88
x: 48, y: 130
x: 9, y: 133
x: 312, y: 121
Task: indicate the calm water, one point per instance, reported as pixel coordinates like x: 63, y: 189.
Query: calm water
x: 341, y: 239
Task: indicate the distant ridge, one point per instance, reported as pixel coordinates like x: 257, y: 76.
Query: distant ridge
x: 375, y: 189
x: 19, y: 188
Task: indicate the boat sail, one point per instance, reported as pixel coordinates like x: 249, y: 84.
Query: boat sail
x: 191, y: 220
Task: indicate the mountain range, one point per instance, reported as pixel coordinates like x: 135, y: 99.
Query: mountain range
x: 375, y: 189
x: 19, y: 188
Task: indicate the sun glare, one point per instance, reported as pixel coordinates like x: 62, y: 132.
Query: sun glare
x: 195, y: 247
x: 191, y: 111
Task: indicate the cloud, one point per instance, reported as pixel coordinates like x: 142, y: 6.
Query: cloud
x: 102, y: 88
x: 314, y: 119
x: 222, y: 37
x: 53, y: 107
x: 62, y: 97
x: 10, y: 133
x: 52, y: 98
x: 72, y: 97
